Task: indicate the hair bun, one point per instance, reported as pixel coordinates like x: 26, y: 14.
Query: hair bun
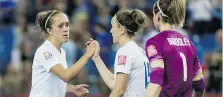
x: 138, y: 17
x: 134, y: 21
x: 40, y: 19
x: 134, y: 14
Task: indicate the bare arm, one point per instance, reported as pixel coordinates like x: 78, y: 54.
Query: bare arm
x: 153, y: 90
x: 120, y: 85
x: 70, y: 88
x: 198, y: 94
x: 79, y: 90
x: 106, y: 75
x: 68, y: 74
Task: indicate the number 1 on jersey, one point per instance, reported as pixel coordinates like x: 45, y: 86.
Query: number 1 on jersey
x: 184, y: 65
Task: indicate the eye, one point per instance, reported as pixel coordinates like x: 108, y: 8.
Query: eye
x: 67, y: 24
x: 60, y: 26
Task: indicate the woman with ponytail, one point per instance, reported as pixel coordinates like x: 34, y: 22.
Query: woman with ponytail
x: 175, y: 69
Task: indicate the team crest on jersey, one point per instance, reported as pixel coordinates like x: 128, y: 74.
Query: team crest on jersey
x: 151, y: 50
x: 47, y: 55
x: 122, y: 60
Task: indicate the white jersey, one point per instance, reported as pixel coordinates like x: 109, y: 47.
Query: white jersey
x: 44, y: 82
x: 131, y: 59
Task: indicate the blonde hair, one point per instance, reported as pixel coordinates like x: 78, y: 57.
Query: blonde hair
x: 172, y: 11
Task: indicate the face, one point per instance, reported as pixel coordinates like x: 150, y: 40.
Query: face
x: 115, y: 30
x: 219, y: 37
x: 60, y: 28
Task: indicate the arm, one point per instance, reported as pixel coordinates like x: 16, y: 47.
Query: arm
x: 70, y: 88
x: 120, y: 85
x: 156, y: 71
x: 198, y: 94
x: 79, y: 90
x: 153, y: 90
x: 198, y: 80
x: 156, y: 79
x: 67, y: 74
x: 106, y: 75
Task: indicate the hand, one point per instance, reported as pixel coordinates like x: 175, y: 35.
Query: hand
x: 81, y: 90
x: 97, y: 48
x: 90, y: 49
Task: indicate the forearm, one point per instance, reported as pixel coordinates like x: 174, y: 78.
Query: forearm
x: 153, y: 90
x: 117, y: 93
x: 106, y: 75
x: 199, y: 88
x: 76, y: 68
x: 70, y: 88
x: 198, y: 93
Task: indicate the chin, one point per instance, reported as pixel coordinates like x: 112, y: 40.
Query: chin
x: 114, y: 41
x: 66, y: 40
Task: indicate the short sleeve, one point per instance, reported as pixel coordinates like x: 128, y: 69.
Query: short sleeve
x: 48, y: 59
x: 154, y: 54
x: 198, y: 78
x: 123, y: 62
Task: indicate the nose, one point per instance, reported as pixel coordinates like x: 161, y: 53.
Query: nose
x: 66, y: 29
x: 111, y: 31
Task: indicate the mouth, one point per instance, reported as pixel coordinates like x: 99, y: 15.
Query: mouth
x: 65, y: 35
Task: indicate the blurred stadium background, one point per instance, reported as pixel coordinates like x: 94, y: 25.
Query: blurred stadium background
x: 91, y: 18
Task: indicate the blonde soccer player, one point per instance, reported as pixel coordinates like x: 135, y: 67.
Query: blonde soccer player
x: 50, y: 73
x: 175, y: 67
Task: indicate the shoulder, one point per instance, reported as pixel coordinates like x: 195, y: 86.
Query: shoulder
x: 44, y: 51
x: 157, y: 38
x: 45, y: 47
x: 129, y: 49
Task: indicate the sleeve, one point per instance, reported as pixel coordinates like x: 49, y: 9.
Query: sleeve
x: 198, y: 78
x: 48, y: 59
x: 154, y: 55
x: 123, y: 62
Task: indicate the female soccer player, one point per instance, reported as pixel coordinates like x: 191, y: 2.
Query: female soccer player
x: 130, y: 68
x: 50, y: 73
x: 175, y: 67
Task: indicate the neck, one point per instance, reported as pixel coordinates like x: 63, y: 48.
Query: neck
x: 166, y: 27
x: 123, y: 40
x: 55, y: 43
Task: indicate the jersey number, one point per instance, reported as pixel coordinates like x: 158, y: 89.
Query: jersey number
x: 184, y: 65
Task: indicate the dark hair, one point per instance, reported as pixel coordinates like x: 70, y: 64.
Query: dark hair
x: 172, y: 11
x: 134, y: 21
x: 44, y: 20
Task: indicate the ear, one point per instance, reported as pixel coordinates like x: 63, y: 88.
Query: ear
x: 49, y: 31
x: 159, y: 16
x: 122, y: 30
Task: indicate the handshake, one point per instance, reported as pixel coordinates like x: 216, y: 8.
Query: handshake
x: 92, y: 49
